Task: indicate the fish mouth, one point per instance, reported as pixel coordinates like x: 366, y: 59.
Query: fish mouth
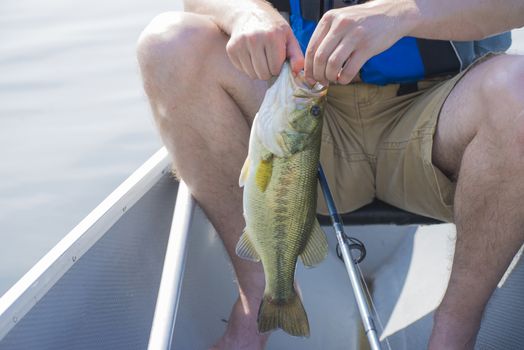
x: 299, y: 83
x: 304, y: 89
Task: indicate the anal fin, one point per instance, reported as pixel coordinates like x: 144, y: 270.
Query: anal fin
x: 245, y: 249
x: 316, y: 247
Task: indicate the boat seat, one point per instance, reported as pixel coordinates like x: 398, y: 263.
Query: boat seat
x: 380, y: 213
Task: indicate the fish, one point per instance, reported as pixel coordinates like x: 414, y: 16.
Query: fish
x: 279, y: 178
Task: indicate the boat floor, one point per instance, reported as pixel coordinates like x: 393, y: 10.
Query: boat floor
x: 407, y: 268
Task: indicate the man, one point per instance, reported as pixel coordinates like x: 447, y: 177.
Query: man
x: 452, y: 150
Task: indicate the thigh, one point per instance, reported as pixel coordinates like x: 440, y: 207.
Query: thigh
x: 202, y: 104
x: 419, y: 158
x: 484, y: 96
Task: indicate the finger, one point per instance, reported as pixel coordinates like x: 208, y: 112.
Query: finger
x: 260, y: 63
x: 247, y: 65
x: 339, y: 56
x: 294, y: 53
x: 275, y: 54
x: 240, y: 58
x: 324, y: 51
x: 233, y: 57
x: 258, y: 58
x: 317, y: 37
x: 352, y: 67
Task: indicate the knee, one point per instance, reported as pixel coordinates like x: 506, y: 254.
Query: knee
x: 175, y: 43
x: 503, y: 84
x: 503, y: 91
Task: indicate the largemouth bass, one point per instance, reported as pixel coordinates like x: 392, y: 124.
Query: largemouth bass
x: 280, y: 193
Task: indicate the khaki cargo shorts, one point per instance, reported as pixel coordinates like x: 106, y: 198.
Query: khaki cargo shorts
x: 376, y: 144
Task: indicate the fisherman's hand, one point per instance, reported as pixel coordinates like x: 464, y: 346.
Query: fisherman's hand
x: 260, y: 42
x: 347, y: 37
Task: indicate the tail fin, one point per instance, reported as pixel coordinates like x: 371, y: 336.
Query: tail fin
x: 286, y: 314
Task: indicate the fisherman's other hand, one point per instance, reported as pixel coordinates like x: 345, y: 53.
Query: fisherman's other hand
x: 347, y: 37
x: 260, y: 42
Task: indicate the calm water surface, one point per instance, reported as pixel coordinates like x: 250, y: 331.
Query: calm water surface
x: 74, y: 122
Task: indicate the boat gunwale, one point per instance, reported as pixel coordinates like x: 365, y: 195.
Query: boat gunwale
x: 34, y: 284
x: 173, y: 271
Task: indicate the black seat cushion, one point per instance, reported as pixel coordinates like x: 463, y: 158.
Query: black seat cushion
x: 380, y: 213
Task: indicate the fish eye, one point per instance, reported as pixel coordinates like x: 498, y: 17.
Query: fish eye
x: 315, y: 110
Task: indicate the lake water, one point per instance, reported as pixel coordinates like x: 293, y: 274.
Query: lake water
x: 74, y: 121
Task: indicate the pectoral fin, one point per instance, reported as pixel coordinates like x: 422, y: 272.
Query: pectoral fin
x: 245, y: 249
x: 316, y: 247
x: 244, y: 173
x: 264, y: 171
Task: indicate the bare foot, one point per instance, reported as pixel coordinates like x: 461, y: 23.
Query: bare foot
x: 242, y: 332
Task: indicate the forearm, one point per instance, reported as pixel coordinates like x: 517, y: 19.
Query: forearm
x: 227, y: 13
x: 461, y: 19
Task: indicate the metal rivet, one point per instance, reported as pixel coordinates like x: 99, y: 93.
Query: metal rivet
x: 124, y: 208
x: 74, y: 258
x: 15, y: 319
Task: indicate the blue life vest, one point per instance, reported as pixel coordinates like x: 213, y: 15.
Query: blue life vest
x: 408, y: 60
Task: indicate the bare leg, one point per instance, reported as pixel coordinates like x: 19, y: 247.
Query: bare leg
x: 203, y: 108
x: 480, y: 140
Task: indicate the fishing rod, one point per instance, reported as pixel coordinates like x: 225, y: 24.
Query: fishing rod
x: 351, y: 263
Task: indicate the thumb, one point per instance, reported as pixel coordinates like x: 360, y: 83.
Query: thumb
x: 294, y: 53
